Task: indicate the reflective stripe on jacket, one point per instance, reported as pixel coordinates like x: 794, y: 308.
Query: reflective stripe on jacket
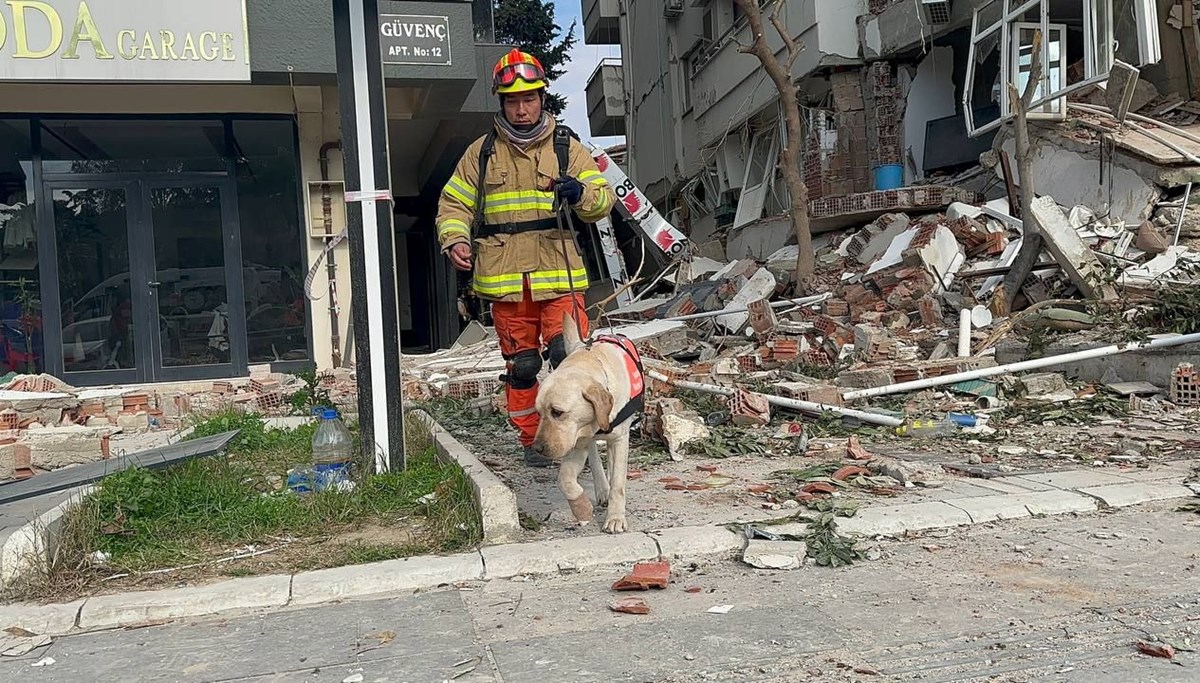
x: 518, y: 189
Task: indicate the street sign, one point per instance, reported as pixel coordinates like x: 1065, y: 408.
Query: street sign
x: 414, y: 39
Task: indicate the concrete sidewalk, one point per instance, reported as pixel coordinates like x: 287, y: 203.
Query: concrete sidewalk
x: 1021, y: 600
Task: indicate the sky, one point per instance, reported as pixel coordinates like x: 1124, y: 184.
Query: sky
x: 584, y: 59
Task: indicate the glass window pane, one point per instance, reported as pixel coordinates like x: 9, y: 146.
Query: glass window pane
x: 20, y: 297
x: 273, y: 237
x: 132, y: 146
x: 189, y: 259
x: 90, y: 226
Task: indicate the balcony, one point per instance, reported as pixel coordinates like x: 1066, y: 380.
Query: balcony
x: 601, y: 22
x: 606, y: 99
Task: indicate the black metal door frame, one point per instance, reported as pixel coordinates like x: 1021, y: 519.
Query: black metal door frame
x: 140, y: 234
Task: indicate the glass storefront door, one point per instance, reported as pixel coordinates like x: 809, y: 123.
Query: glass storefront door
x: 148, y: 283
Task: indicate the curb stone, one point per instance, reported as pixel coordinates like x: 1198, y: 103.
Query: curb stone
x: 550, y: 557
x: 29, y: 547
x: 991, y: 508
x: 893, y: 520
x: 53, y: 619
x: 1056, y: 502
x: 390, y: 576
x: 122, y: 609
x: 497, y: 502
x: 689, y: 541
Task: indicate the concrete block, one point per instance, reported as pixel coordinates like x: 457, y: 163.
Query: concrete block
x: 391, y: 576
x: 897, y: 519
x: 122, y: 609
x: 991, y: 508
x: 1124, y: 495
x: 1068, y: 249
x: 761, y: 285
x: 1072, y: 479
x: 1056, y: 502
x: 689, y: 542
x: 550, y: 557
x: 52, y: 620
x: 55, y: 447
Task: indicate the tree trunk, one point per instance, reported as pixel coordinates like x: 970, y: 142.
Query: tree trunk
x: 1031, y: 243
x: 789, y: 155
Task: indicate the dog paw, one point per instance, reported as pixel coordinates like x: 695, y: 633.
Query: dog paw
x: 602, y: 498
x: 615, y: 525
x: 581, y: 508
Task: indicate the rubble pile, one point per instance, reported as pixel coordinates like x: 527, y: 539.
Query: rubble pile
x: 46, y: 424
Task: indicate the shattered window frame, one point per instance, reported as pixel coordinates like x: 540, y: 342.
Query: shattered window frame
x: 1099, y: 51
x: 756, y: 195
x: 1056, y: 73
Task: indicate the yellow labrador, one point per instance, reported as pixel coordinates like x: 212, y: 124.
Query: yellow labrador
x: 593, y: 394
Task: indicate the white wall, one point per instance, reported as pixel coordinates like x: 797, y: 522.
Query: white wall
x: 930, y: 96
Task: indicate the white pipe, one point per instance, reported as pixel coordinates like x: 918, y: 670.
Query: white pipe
x: 1187, y: 195
x: 1022, y: 366
x: 792, y: 403
x: 964, y: 333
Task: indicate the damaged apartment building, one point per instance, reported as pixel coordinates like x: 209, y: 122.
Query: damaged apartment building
x: 904, y: 106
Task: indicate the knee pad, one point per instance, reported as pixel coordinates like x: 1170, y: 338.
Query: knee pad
x: 556, y: 351
x: 525, y: 368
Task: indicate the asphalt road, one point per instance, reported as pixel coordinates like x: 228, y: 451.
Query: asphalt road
x: 1053, y: 600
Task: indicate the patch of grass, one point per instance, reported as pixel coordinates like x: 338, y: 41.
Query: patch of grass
x: 201, y: 510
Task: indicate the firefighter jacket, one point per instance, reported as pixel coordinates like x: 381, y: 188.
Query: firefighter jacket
x: 518, y: 190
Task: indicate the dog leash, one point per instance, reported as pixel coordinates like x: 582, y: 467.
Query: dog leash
x: 559, y: 211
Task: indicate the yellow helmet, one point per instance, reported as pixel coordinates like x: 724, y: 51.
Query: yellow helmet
x: 518, y: 72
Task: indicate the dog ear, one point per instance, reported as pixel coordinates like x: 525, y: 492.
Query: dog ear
x: 602, y: 404
x: 571, y: 334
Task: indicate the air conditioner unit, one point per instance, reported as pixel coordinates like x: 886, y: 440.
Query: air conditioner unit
x: 673, y: 9
x: 938, y: 11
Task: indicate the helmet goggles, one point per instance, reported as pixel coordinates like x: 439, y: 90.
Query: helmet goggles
x: 506, y: 76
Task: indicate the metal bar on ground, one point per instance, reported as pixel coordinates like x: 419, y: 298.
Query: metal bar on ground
x: 373, y: 271
x: 1062, y: 359
x: 791, y: 403
x: 77, y: 475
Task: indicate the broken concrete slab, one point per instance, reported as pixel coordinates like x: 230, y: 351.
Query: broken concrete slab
x: 1136, y: 493
x: 775, y: 554
x: 1069, y: 176
x: 1075, y: 258
x: 760, y: 285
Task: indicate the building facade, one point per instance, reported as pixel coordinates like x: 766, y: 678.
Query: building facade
x: 892, y: 92
x: 170, y: 176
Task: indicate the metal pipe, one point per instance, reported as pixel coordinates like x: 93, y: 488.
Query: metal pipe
x: 1022, y: 366
x: 1187, y: 195
x: 330, y: 263
x: 964, y: 333
x: 790, y: 403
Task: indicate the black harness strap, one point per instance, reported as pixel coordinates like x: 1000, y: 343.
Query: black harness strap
x: 489, y: 229
x: 485, y: 153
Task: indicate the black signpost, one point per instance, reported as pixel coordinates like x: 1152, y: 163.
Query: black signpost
x: 369, y: 223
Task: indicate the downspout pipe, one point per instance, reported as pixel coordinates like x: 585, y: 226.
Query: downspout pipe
x: 1036, y: 363
x: 330, y: 263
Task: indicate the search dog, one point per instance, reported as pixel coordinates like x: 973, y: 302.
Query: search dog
x: 592, y: 395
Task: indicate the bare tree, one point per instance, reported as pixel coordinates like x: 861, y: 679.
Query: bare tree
x: 789, y: 156
x: 1031, y: 243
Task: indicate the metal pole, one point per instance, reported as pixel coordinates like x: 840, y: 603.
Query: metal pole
x: 374, y: 313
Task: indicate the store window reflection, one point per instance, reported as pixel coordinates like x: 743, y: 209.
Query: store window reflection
x: 20, y: 299
x: 91, y: 227
x: 271, y: 229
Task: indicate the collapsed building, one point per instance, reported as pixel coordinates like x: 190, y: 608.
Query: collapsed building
x: 895, y: 96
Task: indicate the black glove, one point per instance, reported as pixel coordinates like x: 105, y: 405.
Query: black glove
x: 569, y: 190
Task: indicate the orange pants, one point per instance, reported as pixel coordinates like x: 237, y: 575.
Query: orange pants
x: 524, y: 328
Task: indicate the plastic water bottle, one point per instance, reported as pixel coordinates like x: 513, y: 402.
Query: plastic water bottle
x: 333, y: 451
x: 927, y: 428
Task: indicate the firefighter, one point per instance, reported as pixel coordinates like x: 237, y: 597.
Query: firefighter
x: 524, y: 265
